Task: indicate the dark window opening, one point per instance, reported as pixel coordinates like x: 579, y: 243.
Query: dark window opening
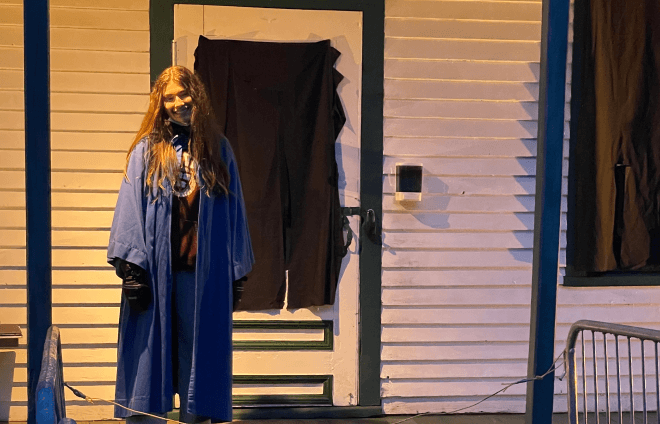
x: 613, y: 234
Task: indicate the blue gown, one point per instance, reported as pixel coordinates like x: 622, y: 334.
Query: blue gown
x: 141, y: 234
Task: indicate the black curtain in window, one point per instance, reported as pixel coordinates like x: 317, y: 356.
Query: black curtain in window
x: 617, y: 144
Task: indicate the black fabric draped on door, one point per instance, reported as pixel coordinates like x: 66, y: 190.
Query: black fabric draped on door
x: 617, y: 150
x: 277, y: 104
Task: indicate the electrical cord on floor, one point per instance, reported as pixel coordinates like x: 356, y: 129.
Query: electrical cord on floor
x: 92, y: 400
x: 524, y: 380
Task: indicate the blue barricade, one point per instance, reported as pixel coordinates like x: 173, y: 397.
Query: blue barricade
x: 51, y: 408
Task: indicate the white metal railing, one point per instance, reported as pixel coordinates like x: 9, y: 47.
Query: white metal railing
x: 632, y: 340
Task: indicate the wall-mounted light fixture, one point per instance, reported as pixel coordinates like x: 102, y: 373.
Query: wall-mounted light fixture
x: 408, y: 182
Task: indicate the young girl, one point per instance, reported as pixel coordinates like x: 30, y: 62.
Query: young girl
x: 179, y: 239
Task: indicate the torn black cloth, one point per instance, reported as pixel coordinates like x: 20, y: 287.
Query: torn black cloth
x: 278, y: 105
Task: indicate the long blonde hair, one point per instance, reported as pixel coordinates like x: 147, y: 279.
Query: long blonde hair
x: 204, y: 146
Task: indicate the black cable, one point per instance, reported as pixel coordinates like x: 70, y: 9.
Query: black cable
x: 524, y: 380
x: 92, y: 400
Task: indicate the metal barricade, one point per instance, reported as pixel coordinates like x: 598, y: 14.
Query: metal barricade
x: 622, y: 405
x: 50, y: 404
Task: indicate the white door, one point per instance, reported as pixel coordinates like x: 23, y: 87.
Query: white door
x: 324, y: 374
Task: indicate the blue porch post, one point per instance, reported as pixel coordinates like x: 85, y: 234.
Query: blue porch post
x: 37, y: 187
x: 547, y: 214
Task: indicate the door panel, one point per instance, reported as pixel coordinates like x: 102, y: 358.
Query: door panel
x: 318, y: 359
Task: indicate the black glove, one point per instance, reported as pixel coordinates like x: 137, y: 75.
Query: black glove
x: 134, y: 285
x: 237, y: 291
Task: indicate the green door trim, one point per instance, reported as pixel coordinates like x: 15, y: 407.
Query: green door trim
x: 278, y: 345
x: 320, y: 399
x: 161, y: 23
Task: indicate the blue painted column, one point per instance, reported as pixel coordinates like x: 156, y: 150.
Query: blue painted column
x: 547, y: 212
x: 37, y: 186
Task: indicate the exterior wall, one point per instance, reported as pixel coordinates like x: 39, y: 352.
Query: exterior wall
x: 99, y: 91
x: 461, y: 92
x: 461, y: 87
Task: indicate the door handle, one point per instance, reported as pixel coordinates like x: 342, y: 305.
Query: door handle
x: 370, y: 224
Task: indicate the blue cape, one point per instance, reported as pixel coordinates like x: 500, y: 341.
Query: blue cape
x: 141, y: 234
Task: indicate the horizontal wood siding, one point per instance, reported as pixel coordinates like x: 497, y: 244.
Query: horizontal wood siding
x: 99, y: 91
x: 461, y: 92
x: 13, y: 369
x: 100, y: 54
x: 461, y: 97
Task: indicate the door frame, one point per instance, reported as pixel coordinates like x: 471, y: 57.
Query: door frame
x: 161, y: 24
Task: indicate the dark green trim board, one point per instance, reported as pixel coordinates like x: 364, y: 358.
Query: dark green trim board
x: 581, y: 27
x: 371, y: 197
x: 324, y: 398
x: 613, y: 280
x: 161, y: 20
x: 325, y: 344
x: 547, y: 210
x: 300, y: 412
x: 251, y: 402
x: 36, y: 36
x: 331, y: 412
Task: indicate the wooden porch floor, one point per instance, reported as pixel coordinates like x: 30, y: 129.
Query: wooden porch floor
x: 393, y: 419
x: 426, y: 419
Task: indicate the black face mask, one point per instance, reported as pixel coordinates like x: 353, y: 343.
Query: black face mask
x: 178, y: 128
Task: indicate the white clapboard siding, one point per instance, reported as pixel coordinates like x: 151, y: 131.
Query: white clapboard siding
x: 478, y: 29
x: 99, y: 92
x: 404, y: 48
x: 434, y: 147
x: 461, y: 92
x: 92, y: 141
x: 458, y: 203
x: 75, y: 277
x: 460, y: 10
x: 82, y: 38
x: 100, y: 84
x: 513, y: 72
x: 13, y: 296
